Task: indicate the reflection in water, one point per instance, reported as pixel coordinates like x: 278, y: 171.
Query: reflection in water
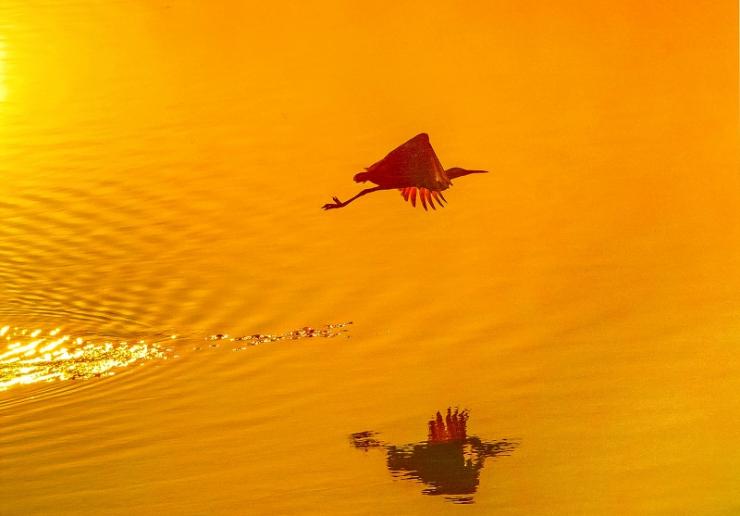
x: 326, y: 331
x: 37, y: 355
x: 448, y: 462
x: 32, y: 356
x: 3, y: 88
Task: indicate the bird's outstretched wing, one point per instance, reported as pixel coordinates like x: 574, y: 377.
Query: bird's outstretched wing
x: 413, y: 163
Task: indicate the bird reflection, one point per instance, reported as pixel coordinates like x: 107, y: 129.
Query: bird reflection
x: 448, y: 462
x: 414, y: 169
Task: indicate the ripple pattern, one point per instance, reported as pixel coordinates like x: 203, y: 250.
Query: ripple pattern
x: 33, y: 356
x: 38, y: 355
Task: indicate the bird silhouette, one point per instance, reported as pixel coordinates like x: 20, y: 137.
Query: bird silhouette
x: 414, y: 169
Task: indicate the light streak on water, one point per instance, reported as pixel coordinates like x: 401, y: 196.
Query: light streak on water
x: 32, y: 356
x: 38, y: 355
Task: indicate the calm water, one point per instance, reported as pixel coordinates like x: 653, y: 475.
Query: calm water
x: 162, y: 168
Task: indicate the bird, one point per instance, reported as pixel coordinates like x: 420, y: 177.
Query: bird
x: 414, y: 169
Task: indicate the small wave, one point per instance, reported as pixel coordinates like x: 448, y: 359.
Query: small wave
x: 246, y: 341
x: 35, y: 355
x: 38, y: 355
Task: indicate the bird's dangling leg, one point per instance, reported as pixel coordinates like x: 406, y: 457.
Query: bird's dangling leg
x: 340, y: 204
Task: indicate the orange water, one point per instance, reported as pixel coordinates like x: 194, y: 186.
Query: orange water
x: 162, y: 169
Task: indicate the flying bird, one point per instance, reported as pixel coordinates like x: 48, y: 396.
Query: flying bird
x: 414, y: 169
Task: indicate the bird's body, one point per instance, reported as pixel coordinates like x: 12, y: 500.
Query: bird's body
x: 413, y: 168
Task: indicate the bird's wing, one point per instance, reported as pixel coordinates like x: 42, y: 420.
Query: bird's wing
x: 413, y: 163
x: 426, y: 196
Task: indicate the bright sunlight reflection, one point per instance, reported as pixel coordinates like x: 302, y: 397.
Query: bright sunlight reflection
x: 31, y: 356
x: 3, y: 87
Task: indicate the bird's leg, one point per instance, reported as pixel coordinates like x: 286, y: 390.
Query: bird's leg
x: 337, y: 204
x: 340, y: 204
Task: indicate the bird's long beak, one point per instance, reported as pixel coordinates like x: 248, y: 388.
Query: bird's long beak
x: 454, y: 172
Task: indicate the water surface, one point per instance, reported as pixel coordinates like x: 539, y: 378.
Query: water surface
x: 162, y: 169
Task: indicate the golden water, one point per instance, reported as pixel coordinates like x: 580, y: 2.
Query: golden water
x: 162, y: 169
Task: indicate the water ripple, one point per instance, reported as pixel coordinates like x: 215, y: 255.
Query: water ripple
x: 33, y: 356
x: 41, y: 355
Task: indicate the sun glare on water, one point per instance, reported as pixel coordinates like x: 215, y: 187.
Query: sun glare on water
x: 3, y: 87
x: 32, y: 356
x: 41, y: 355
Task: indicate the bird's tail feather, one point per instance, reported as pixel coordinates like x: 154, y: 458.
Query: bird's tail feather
x: 362, y: 177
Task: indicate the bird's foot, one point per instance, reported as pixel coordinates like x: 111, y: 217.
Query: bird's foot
x: 337, y: 204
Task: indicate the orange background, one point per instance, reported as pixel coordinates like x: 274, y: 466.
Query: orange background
x: 162, y: 169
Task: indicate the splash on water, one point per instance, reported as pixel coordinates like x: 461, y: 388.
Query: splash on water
x: 245, y: 341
